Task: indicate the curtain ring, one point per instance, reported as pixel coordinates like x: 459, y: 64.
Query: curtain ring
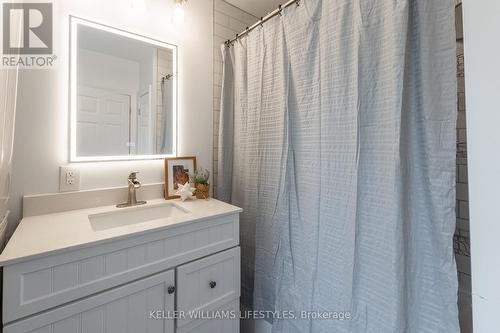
x: 297, y: 2
x: 280, y: 10
x: 262, y: 22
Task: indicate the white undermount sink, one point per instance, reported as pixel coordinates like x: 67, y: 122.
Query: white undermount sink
x: 134, y: 215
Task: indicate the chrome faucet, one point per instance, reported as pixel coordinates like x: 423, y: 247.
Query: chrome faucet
x: 133, y: 184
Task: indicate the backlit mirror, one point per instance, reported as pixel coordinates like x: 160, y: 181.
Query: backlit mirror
x: 123, y: 94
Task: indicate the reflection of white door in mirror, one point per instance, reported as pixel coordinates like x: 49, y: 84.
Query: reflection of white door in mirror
x: 103, y: 122
x: 144, y: 145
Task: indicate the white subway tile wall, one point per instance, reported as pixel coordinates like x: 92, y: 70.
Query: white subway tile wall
x: 164, y: 67
x: 228, y: 21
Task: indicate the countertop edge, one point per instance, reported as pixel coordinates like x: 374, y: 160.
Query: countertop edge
x: 81, y: 246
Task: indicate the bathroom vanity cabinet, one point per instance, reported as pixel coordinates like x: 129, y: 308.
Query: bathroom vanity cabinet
x: 179, y: 275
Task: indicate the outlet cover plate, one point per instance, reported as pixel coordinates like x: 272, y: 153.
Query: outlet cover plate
x: 69, y: 179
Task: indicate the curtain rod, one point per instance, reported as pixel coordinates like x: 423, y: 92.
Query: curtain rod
x: 166, y: 77
x: 278, y: 11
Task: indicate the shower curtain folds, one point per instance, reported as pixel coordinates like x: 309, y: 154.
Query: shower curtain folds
x: 337, y: 137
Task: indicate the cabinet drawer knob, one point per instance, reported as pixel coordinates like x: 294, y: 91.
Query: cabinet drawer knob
x: 171, y: 289
x: 213, y: 284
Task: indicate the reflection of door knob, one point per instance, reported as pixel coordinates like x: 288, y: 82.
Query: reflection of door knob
x: 171, y: 289
x: 213, y: 284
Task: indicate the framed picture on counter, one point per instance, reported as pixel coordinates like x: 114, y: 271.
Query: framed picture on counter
x: 177, y: 171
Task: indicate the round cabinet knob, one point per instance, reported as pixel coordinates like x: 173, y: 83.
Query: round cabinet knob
x: 213, y: 284
x: 171, y: 289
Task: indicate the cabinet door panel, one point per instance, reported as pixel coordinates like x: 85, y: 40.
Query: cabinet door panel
x: 208, y: 284
x: 124, y: 309
x: 226, y: 325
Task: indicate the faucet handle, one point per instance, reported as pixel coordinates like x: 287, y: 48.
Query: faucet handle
x: 133, y: 175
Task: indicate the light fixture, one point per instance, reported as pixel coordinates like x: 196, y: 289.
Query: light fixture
x: 178, y: 14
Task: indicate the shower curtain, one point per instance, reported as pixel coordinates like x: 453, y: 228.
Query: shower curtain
x: 337, y: 138
x: 8, y: 98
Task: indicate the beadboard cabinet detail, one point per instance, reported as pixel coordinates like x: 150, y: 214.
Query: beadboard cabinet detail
x: 122, y: 309
x: 113, y: 286
x: 208, y: 284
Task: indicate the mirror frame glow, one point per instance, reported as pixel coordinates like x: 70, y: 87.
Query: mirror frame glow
x: 74, y: 22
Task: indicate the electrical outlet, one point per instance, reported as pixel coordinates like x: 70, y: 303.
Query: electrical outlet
x: 69, y: 179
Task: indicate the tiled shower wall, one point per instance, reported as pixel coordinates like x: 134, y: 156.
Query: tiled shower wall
x: 164, y: 67
x: 461, y: 240
x: 228, y: 21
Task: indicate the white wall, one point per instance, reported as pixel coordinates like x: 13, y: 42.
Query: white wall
x: 41, y: 137
x: 99, y: 70
x: 482, y: 86
x: 257, y: 7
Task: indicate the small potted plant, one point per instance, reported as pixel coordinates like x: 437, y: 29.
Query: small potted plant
x: 200, y: 180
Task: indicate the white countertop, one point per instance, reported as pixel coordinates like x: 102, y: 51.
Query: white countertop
x: 52, y: 233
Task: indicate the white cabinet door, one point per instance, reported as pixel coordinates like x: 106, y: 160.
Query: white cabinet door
x: 227, y: 321
x: 126, y: 309
x: 208, y: 284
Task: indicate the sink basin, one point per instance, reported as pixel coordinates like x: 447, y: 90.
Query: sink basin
x: 134, y: 215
